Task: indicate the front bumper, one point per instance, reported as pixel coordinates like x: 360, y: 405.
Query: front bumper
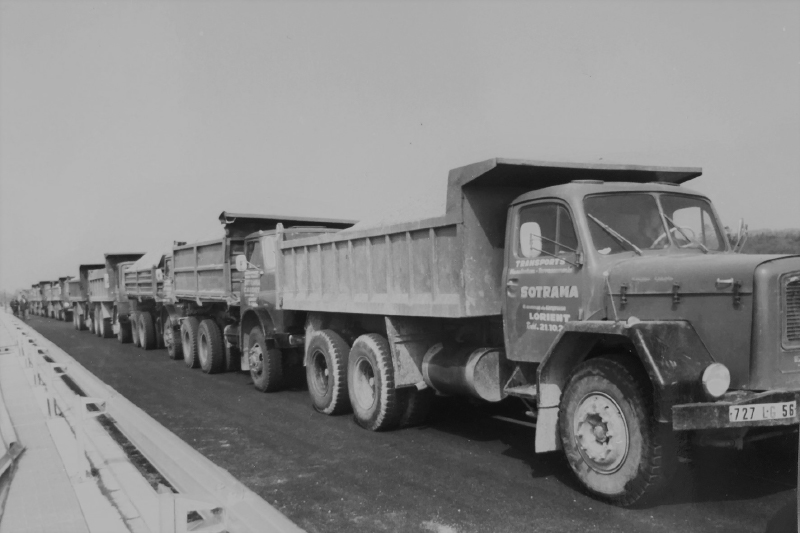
x: 714, y: 415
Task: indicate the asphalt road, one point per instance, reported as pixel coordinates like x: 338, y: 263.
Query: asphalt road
x: 464, y: 472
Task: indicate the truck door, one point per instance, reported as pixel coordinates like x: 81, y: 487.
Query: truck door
x: 544, y: 280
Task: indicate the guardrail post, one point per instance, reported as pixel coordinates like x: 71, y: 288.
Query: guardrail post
x: 166, y: 510
x: 80, y: 441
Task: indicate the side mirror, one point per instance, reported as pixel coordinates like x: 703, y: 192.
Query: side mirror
x: 241, y: 263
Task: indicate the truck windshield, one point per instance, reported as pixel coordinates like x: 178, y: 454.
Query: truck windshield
x: 682, y: 221
x: 635, y: 217
x: 692, y: 222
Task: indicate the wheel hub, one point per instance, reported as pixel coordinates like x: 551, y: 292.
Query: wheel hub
x: 364, y: 386
x: 256, y: 359
x: 321, y: 373
x: 601, y: 433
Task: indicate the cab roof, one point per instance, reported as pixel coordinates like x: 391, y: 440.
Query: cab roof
x: 578, y: 189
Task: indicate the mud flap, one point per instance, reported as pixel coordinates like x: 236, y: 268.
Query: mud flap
x: 547, y: 439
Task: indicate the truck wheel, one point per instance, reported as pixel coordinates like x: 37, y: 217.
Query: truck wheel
x: 106, y: 331
x: 159, y: 325
x: 172, y: 340
x: 615, y: 447
x: 326, y: 372
x: 416, y: 405
x: 266, y: 364
x: 370, y: 380
x: 210, y: 348
x: 96, y: 321
x: 125, y: 332
x: 189, y: 327
x: 134, y: 318
x: 147, y: 331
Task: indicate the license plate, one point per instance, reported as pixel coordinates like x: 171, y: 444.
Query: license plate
x: 762, y: 411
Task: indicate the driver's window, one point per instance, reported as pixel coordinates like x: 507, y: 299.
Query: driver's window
x: 268, y: 249
x: 545, y: 229
x: 253, y: 254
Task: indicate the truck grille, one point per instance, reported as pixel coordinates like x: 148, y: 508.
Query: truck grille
x: 791, y: 316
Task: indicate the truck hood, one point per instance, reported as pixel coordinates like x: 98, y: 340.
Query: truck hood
x: 688, y: 274
x: 715, y: 293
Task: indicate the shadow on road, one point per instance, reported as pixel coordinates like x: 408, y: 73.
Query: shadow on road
x: 713, y: 475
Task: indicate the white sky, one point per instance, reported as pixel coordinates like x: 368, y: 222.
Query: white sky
x: 127, y: 125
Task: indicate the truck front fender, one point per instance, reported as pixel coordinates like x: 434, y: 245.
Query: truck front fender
x: 256, y: 317
x: 671, y: 352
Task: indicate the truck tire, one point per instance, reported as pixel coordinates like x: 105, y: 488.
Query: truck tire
x: 172, y: 340
x: 189, y: 326
x: 96, y: 321
x: 266, y: 364
x: 614, y: 445
x: 134, y: 318
x: 370, y: 381
x: 125, y: 332
x: 106, y: 331
x: 159, y: 325
x: 326, y: 372
x: 416, y: 405
x: 210, y: 348
x: 147, y: 331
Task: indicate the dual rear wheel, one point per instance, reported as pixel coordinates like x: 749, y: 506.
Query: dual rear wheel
x: 361, y: 378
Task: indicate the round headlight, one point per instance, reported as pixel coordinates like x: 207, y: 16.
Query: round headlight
x: 716, y: 380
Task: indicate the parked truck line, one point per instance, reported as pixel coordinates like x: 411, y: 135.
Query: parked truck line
x: 606, y: 298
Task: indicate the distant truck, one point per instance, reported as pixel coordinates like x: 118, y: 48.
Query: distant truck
x: 58, y: 305
x: 108, y: 303
x: 148, y: 286
x: 607, y: 298
x: 207, y: 288
x: 78, y: 294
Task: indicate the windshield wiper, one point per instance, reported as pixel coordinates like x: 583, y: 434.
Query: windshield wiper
x: 614, y: 234
x: 695, y: 241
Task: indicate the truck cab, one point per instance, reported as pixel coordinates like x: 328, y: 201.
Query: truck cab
x: 614, y: 286
x: 270, y: 337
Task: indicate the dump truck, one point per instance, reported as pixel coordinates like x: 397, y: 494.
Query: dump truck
x: 47, y: 298
x: 78, y: 294
x: 148, y: 285
x: 65, y: 305
x: 207, y: 290
x: 108, y: 304
x: 605, y: 297
x: 35, y: 299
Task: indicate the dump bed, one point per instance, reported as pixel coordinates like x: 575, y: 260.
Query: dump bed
x: 63, y: 287
x: 47, y: 290
x: 202, y: 271
x: 447, y: 266
x: 149, y: 277
x: 104, y: 283
x: 35, y: 294
x: 79, y: 287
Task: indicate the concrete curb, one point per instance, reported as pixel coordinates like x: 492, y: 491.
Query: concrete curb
x: 202, y: 485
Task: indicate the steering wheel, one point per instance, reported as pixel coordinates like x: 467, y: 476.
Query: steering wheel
x: 677, y: 232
